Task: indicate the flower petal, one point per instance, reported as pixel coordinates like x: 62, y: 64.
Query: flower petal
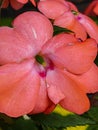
x: 67, y: 20
x: 53, y: 87
x: 5, y: 4
x: 13, y: 46
x: 16, y: 5
x: 79, y: 57
x: 50, y: 108
x: 23, y: 1
x: 58, y: 41
x: 96, y: 9
x: 52, y: 8
x: 76, y: 57
x: 33, y: 2
x: 90, y: 26
x: 90, y: 9
x: 19, y: 87
x: 35, y: 27
x: 42, y: 101
x: 72, y: 6
x: 88, y: 80
x: 75, y: 98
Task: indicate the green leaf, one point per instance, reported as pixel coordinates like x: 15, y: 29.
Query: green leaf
x: 58, y: 30
x: 6, y: 22
x: 24, y: 124
x: 6, y: 119
x: 55, y: 120
x: 93, y: 114
x: 95, y: 19
x: 92, y: 127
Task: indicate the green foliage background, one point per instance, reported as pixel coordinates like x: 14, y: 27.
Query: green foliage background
x: 60, y: 119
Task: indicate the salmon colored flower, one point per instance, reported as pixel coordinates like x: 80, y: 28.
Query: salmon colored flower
x: 69, y: 18
x: 38, y: 71
x: 25, y: 1
x: 54, y: 8
x: 16, y: 4
x: 92, y: 8
x: 90, y: 26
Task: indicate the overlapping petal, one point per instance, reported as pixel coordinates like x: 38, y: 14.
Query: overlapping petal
x: 76, y: 57
x: 14, y: 3
x: 13, y: 47
x: 43, y: 99
x: 71, y: 6
x: 72, y: 57
x: 25, y: 39
x: 22, y: 1
x: 92, y: 8
x: 96, y: 9
x: 57, y: 41
x: 31, y: 27
x: 5, y: 4
x: 73, y: 93
x: 52, y: 8
x: 88, y: 80
x: 67, y: 20
x: 25, y: 1
x: 90, y: 26
x: 19, y: 87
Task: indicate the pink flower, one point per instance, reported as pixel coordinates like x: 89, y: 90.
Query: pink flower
x: 54, y: 8
x: 90, y: 26
x: 92, y: 9
x: 25, y: 1
x: 39, y: 71
x: 69, y: 18
x: 16, y: 4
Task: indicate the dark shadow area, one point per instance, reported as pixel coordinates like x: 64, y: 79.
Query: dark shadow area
x: 10, y: 12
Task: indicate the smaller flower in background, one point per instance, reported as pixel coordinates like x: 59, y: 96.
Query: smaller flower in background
x: 39, y: 70
x: 25, y: 1
x: 66, y: 16
x: 16, y: 4
x: 92, y: 9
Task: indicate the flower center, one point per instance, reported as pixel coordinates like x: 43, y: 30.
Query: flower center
x: 44, y: 64
x: 74, y: 12
x: 40, y: 60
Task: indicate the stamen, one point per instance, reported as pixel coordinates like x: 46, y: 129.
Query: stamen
x: 40, y: 60
x: 45, y: 64
x: 74, y: 12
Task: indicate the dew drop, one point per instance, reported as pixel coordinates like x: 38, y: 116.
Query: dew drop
x: 70, y: 44
x: 64, y: 69
x: 48, y: 85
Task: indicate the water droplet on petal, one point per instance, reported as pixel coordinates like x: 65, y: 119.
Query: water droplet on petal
x: 64, y: 69
x: 48, y: 85
x: 70, y: 44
